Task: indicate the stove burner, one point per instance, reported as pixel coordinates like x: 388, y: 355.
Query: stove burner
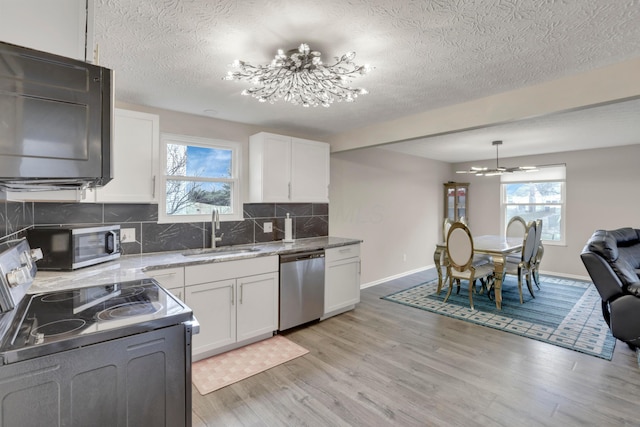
x: 128, y: 310
x: 60, y: 296
x: 59, y: 327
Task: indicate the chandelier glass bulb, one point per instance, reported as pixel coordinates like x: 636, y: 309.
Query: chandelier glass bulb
x: 299, y: 76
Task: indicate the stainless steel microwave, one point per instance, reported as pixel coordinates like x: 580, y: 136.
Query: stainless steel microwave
x: 69, y: 248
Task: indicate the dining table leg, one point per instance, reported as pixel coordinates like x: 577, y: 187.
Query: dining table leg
x: 437, y: 259
x: 498, y: 269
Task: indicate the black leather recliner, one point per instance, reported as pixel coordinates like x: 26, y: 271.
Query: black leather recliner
x: 612, y: 259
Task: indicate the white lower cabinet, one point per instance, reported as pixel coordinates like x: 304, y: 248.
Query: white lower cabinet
x: 257, y: 305
x: 235, y: 302
x: 342, y: 279
x: 214, y: 306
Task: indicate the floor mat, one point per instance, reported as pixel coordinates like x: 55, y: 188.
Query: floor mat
x: 227, y: 368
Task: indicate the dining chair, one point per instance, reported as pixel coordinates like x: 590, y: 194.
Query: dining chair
x: 445, y: 227
x: 516, y: 227
x: 460, y: 265
x: 538, y: 251
x: 478, y: 259
x: 522, y: 268
x: 443, y: 256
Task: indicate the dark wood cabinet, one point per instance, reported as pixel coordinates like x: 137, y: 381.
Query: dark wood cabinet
x: 456, y: 200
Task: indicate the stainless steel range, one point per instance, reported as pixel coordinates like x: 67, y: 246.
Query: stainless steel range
x: 114, y: 355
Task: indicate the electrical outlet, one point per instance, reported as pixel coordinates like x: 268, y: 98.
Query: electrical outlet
x: 404, y: 257
x: 128, y: 235
x: 268, y: 227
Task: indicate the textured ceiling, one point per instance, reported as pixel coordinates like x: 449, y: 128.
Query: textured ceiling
x: 427, y: 54
x: 603, y: 126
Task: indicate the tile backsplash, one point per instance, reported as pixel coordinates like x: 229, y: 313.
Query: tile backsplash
x: 309, y: 220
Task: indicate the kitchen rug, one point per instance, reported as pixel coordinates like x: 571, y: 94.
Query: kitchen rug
x: 227, y: 368
x: 565, y: 312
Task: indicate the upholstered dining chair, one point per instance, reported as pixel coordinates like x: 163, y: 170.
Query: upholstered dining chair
x: 516, y: 227
x: 445, y: 227
x: 445, y: 232
x: 522, y: 268
x: 538, y: 251
x: 460, y: 265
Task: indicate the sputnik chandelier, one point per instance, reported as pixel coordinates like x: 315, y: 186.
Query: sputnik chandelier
x: 299, y: 76
x: 499, y: 170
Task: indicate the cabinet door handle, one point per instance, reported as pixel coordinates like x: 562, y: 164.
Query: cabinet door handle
x: 289, y: 196
x: 241, y: 285
x: 232, y: 296
x: 153, y: 187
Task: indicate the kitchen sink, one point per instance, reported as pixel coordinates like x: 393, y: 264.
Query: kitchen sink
x: 220, y: 251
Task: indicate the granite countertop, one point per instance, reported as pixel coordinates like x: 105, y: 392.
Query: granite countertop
x: 133, y: 267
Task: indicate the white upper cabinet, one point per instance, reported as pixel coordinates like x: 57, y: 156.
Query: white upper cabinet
x: 134, y: 159
x: 269, y: 168
x: 309, y: 171
x: 62, y: 27
x: 288, y: 170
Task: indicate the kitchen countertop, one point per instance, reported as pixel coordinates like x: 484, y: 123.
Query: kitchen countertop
x: 133, y: 267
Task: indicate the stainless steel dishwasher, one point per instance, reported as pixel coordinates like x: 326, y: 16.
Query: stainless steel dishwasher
x: 301, y: 288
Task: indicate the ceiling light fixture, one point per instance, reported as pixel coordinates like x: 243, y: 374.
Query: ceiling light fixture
x: 300, y: 77
x: 484, y: 171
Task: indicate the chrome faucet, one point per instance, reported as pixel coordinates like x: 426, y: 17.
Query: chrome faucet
x: 215, y: 225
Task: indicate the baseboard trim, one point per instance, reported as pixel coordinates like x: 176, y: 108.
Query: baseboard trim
x: 566, y: 275
x: 396, y: 276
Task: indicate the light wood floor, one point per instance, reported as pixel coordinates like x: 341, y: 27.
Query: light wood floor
x: 384, y: 364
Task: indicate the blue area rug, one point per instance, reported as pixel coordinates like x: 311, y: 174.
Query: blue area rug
x: 565, y: 312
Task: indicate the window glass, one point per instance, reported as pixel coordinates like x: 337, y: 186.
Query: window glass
x: 199, y: 176
x: 534, y: 199
x: 186, y: 160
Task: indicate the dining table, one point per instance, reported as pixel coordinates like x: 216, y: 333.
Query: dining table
x: 496, y: 246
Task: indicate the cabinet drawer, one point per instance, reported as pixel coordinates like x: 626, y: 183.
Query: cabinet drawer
x: 203, y: 273
x: 342, y: 252
x: 168, y: 277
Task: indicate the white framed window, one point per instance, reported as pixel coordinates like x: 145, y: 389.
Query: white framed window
x: 197, y: 176
x: 537, y: 195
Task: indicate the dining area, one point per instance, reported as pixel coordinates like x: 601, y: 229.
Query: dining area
x: 483, y: 261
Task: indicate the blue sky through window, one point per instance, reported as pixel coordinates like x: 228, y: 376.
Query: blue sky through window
x: 208, y: 162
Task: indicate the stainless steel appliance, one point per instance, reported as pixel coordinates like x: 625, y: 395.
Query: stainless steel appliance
x: 56, y: 121
x: 69, y: 248
x: 301, y: 288
x: 115, y: 354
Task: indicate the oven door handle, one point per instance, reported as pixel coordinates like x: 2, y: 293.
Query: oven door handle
x: 194, y: 325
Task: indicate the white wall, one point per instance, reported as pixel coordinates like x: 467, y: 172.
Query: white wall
x: 393, y: 202
x: 603, y: 192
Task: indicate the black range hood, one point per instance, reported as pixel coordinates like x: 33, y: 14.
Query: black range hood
x: 55, y: 121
